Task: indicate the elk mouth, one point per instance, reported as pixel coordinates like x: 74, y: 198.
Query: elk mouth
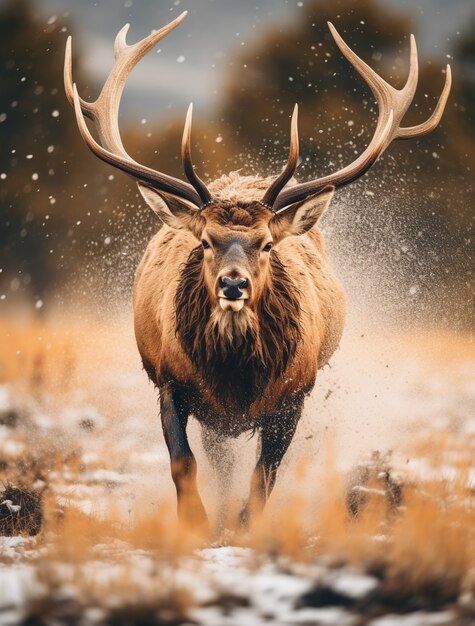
x: 232, y: 304
x: 232, y: 300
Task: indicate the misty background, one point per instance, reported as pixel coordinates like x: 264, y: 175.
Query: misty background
x: 72, y: 229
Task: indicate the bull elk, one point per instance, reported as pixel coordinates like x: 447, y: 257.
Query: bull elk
x: 236, y: 307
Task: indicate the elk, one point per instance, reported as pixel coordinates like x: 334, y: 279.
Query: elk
x: 236, y: 307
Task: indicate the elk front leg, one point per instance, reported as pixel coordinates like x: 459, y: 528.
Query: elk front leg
x: 275, y: 440
x: 174, y: 415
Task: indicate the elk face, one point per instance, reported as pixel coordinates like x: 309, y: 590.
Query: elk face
x: 236, y: 261
x: 237, y: 241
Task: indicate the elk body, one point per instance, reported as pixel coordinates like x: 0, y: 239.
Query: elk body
x: 235, y: 304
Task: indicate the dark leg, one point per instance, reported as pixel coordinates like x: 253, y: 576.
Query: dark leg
x: 174, y: 414
x: 275, y: 440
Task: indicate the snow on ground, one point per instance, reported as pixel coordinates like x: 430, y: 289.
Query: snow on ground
x: 229, y: 586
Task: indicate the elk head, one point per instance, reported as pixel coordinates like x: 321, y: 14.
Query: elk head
x: 237, y: 239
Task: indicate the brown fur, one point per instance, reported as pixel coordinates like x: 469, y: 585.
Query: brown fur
x: 237, y: 360
x: 238, y: 368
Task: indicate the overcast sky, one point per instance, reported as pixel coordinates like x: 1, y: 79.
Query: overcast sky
x: 193, y: 61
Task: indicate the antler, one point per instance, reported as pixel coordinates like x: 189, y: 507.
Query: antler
x: 393, y: 104
x: 190, y: 173
x: 288, y: 171
x: 104, y: 112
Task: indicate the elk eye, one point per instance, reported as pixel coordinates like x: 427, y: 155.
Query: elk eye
x: 205, y: 244
x: 267, y: 247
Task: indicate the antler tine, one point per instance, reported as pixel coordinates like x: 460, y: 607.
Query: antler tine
x: 411, y: 83
x: 140, y: 172
x: 287, y: 173
x: 393, y: 104
x: 190, y: 173
x: 105, y: 110
x: 365, y: 161
x: 377, y: 85
x: 120, y: 42
x: 430, y: 124
x: 87, y: 107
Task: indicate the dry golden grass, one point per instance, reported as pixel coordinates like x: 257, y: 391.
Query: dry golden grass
x: 428, y: 545
x: 58, y: 362
x: 425, y: 548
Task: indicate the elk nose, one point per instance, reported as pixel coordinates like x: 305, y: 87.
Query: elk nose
x: 232, y: 289
x: 239, y: 283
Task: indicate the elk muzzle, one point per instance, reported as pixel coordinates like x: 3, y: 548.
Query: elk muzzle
x: 232, y: 292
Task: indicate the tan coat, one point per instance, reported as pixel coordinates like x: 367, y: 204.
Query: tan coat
x: 322, y: 310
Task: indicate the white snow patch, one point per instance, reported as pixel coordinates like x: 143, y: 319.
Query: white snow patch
x: 353, y: 584
x: 421, y: 618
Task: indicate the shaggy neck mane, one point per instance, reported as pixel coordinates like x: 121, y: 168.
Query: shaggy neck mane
x: 237, y: 354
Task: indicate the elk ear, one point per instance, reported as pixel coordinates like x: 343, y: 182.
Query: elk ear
x: 173, y: 211
x: 299, y: 217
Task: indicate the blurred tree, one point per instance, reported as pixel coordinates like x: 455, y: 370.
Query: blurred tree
x: 465, y: 58
x: 59, y: 210
x: 35, y: 145
x: 416, y: 206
